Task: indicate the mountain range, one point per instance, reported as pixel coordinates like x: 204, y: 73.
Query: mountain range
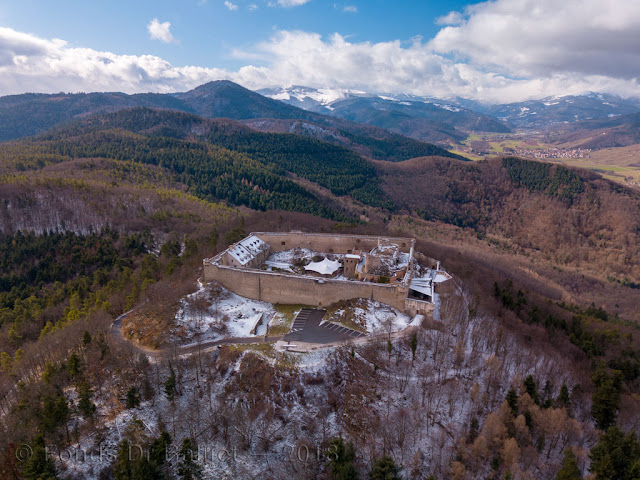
x: 342, y: 117
x: 445, y: 120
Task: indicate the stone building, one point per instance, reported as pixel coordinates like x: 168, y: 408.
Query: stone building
x: 240, y: 268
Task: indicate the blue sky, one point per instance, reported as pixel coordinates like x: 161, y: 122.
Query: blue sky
x: 208, y: 31
x: 494, y: 51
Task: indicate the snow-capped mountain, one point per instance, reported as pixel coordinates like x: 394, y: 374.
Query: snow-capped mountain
x: 463, y: 114
x: 422, y: 118
x: 562, y: 109
x: 314, y: 99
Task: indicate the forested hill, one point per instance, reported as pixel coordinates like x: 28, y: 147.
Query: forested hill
x: 570, y: 216
x: 215, y: 159
x: 223, y: 98
x: 31, y: 114
x: 227, y: 99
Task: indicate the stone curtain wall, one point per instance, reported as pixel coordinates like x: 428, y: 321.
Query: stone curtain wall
x: 294, y: 289
x: 291, y: 289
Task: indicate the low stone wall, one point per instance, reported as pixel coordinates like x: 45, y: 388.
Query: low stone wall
x: 414, y: 307
x: 291, y: 289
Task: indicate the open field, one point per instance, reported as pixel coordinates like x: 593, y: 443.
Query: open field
x: 479, y: 146
x: 621, y: 164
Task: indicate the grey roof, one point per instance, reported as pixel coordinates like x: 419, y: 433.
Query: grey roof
x: 246, y: 250
x: 422, y: 285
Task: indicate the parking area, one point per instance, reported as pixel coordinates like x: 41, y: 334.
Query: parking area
x: 334, y: 327
x: 301, y: 319
x: 308, y: 328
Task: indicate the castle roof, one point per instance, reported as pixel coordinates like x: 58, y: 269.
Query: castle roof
x: 246, y: 250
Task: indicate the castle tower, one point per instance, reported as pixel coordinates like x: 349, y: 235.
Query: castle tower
x: 349, y: 265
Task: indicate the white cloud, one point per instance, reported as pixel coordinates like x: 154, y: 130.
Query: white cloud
x: 230, y: 6
x: 160, y: 31
x: 542, y: 38
x: 252, y: 7
x: 515, y: 62
x: 32, y: 64
x: 451, y: 18
x: 291, y: 3
x: 350, y: 9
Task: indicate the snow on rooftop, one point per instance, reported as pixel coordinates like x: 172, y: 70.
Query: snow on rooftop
x: 325, y: 267
x: 247, y: 249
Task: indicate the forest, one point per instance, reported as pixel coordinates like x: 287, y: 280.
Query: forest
x: 255, y: 175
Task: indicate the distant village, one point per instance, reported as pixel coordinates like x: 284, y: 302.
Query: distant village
x: 551, y: 152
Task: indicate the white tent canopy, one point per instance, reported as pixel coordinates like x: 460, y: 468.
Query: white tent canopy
x: 325, y: 267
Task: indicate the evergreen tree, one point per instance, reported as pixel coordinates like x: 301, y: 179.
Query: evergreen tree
x: 473, y: 430
x: 55, y: 412
x: 86, y: 338
x: 616, y: 456
x: 144, y: 469
x: 123, y: 467
x: 133, y: 398
x: 73, y: 365
x: 39, y: 466
x: 532, y: 390
x: 213, y: 239
x: 414, y: 345
x: 341, y: 457
x: 528, y: 419
x: 385, y: 469
x: 512, y: 401
x: 605, y: 401
x: 237, y: 234
x: 49, y: 372
x: 170, y: 384
x: 85, y: 405
x: 564, y: 398
x: 188, y: 469
x: 547, y: 397
x: 569, y: 469
x: 160, y: 447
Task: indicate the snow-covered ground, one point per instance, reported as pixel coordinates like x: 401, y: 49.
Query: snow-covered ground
x: 371, y: 316
x: 213, y: 312
x: 294, y: 255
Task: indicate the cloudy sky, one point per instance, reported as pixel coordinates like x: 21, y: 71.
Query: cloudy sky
x: 496, y: 51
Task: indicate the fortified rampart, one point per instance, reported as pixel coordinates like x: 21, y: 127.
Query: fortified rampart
x: 276, y: 287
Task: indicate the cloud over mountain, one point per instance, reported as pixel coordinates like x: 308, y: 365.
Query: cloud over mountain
x: 500, y: 51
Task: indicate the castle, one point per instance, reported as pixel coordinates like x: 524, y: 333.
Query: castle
x: 343, y: 267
